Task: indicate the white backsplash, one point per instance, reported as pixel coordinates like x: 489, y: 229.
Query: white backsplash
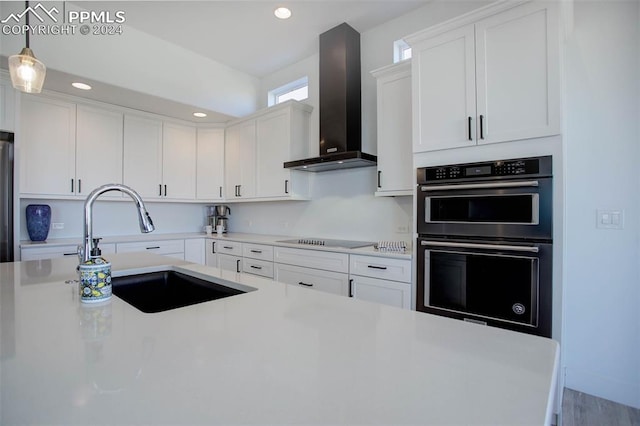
x: 343, y: 207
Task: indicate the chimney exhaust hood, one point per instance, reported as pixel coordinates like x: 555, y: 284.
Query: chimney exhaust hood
x: 340, y: 105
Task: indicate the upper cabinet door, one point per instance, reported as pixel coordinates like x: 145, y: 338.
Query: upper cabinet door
x: 143, y: 155
x: 444, y: 90
x: 47, y: 146
x: 395, y: 171
x: 518, y: 74
x: 273, y: 145
x: 98, y: 149
x: 179, y: 161
x: 240, y: 160
x: 210, y: 164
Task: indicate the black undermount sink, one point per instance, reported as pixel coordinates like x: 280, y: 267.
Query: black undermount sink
x: 164, y: 290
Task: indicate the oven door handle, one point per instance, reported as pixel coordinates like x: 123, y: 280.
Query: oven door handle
x: 520, y: 184
x: 528, y: 249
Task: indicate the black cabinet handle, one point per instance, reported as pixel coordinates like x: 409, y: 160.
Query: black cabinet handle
x: 160, y: 189
x: 238, y: 265
x: 79, y: 186
x: 227, y: 247
x: 153, y: 248
x: 71, y: 185
x: 379, y: 180
x: 165, y: 190
x: 70, y: 254
x: 376, y: 267
x: 470, y: 138
x: 239, y: 191
x: 286, y: 186
x: 305, y: 284
x: 256, y: 267
x: 481, y: 125
x: 213, y: 247
x: 351, y: 287
x: 256, y: 251
x: 220, y: 192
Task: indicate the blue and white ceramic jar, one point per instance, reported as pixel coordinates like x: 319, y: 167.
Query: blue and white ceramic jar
x: 95, y: 280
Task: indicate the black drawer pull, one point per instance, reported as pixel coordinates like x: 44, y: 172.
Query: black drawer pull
x: 153, y: 248
x: 227, y: 247
x: 305, y: 284
x: 376, y: 267
x: 70, y: 254
x: 256, y: 267
x: 256, y: 251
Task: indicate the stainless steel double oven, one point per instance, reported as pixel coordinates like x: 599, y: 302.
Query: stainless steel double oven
x: 485, y: 243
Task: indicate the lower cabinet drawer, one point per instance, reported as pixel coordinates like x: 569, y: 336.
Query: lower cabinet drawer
x: 48, y: 252
x: 258, y: 267
x: 317, y: 259
x: 330, y: 282
x: 229, y: 247
x: 380, y: 267
x: 257, y: 251
x: 157, y: 247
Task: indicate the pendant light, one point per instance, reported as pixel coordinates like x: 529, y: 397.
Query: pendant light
x: 27, y: 73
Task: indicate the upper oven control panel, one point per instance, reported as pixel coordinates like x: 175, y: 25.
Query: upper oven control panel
x: 512, y: 168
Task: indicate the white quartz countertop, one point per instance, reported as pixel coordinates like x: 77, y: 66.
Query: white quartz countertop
x: 281, y: 354
x: 274, y: 240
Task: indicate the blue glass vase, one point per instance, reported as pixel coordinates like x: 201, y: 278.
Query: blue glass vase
x: 38, y: 221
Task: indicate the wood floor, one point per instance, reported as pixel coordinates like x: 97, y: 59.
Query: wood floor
x: 581, y: 409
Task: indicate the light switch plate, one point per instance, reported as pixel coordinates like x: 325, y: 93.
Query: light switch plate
x: 609, y: 219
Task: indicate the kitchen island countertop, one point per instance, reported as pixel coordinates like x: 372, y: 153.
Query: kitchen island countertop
x: 281, y: 354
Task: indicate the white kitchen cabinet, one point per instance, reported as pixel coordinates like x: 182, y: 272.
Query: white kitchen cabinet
x: 211, y: 255
x: 229, y: 262
x: 395, y: 162
x: 210, y: 164
x: 49, y: 252
x: 257, y: 251
x: 240, y: 160
x: 262, y: 268
x: 282, y: 134
x: 98, y: 149
x: 173, y: 248
x: 316, y: 269
x: 178, y: 162
x: 494, y: 80
x: 7, y: 103
x: 315, y: 279
x: 68, y: 149
x: 381, y: 280
x: 143, y: 155
x: 194, y: 250
x: 47, y: 147
x: 381, y: 291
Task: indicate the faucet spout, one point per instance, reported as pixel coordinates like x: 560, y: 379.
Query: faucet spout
x: 146, y: 224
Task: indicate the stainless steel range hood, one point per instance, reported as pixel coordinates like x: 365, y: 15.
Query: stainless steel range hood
x: 340, y: 105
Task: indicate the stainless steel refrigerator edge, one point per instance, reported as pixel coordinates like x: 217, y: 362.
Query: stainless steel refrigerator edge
x: 6, y: 196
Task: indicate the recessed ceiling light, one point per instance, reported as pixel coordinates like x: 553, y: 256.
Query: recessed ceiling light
x: 199, y: 114
x: 282, y: 13
x: 81, y: 86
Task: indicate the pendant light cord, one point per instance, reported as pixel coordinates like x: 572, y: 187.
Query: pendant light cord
x: 26, y: 8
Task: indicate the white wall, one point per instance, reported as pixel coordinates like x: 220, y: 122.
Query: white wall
x: 601, y: 346
x: 140, y: 62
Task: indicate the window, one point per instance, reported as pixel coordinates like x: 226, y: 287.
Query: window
x: 298, y: 90
x: 401, y: 51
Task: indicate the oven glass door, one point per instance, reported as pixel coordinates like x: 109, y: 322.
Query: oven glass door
x: 498, y: 283
x: 504, y: 209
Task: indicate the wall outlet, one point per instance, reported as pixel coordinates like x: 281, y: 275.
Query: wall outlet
x: 610, y: 219
x: 57, y: 225
x: 402, y: 229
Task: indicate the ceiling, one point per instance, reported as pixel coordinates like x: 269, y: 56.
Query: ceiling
x: 245, y: 35
x: 241, y: 34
